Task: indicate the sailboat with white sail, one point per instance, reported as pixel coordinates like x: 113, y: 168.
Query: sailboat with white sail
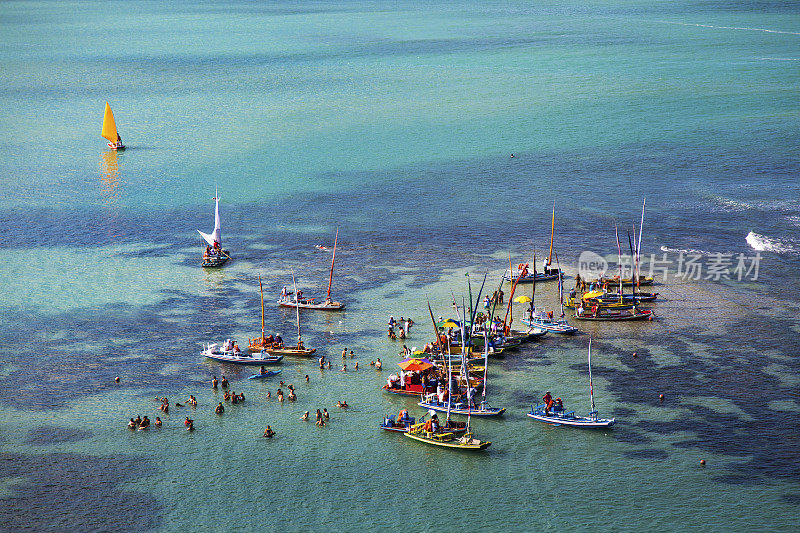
x: 214, y: 255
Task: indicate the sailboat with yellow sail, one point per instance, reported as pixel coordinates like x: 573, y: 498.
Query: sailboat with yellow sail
x: 109, y: 130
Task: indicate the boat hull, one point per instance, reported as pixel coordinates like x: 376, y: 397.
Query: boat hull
x: 460, y: 410
x: 640, y: 315
x: 465, y: 443
x: 540, y: 276
x: 562, y: 328
x: 332, y: 306
x: 572, y: 421
x: 215, y: 261
x: 242, y: 358
x: 269, y: 373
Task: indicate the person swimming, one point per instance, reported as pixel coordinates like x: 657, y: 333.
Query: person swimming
x: 292, y: 396
x: 158, y: 422
x: 224, y: 382
x: 305, y: 416
x: 306, y: 378
x: 214, y: 383
x: 219, y: 409
x: 325, y: 413
x: 132, y: 424
x: 269, y: 433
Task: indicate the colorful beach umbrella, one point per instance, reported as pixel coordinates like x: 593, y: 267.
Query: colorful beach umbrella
x: 415, y: 364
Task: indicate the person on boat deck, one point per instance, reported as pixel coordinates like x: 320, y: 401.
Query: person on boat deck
x: 548, y: 403
x: 402, y: 415
x: 236, y: 348
x: 278, y: 341
x: 283, y: 292
x: 270, y: 339
x: 434, y: 423
x: 573, y: 293
x: 263, y: 370
x: 558, y: 406
x: 579, y: 311
x: 299, y: 294
x: 471, y: 395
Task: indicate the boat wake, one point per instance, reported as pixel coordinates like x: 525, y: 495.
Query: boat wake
x: 762, y: 243
x: 687, y: 251
x: 739, y: 28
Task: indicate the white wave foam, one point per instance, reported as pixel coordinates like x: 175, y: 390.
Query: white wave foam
x: 779, y: 58
x: 762, y: 243
x: 794, y: 220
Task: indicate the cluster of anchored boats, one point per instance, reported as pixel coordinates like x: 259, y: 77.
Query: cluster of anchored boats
x: 449, y: 375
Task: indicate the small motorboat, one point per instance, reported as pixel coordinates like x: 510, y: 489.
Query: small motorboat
x: 267, y: 374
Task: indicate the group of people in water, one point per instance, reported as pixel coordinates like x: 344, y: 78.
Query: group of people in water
x: 142, y: 423
x: 403, y: 327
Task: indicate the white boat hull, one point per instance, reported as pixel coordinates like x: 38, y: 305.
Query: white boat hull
x: 241, y: 358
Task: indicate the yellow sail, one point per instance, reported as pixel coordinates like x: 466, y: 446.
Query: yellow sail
x: 109, y: 126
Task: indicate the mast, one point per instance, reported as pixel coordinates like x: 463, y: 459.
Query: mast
x: 560, y: 287
x: 591, y: 386
x: 436, y: 331
x: 552, y: 233
x: 639, y: 244
x: 533, y: 291
x: 261, y: 288
x: 619, y: 260
x: 330, y: 278
x: 297, y: 308
x: 635, y: 263
x: 485, y: 365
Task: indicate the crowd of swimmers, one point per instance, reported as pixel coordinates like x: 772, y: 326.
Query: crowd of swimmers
x: 234, y: 398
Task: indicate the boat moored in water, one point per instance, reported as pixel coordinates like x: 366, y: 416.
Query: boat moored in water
x: 231, y: 355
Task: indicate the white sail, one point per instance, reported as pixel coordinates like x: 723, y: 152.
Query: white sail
x: 216, y: 235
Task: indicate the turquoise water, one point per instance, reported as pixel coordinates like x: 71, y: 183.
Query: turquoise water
x: 394, y: 122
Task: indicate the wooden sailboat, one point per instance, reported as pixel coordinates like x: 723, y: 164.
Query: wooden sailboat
x: 286, y: 299
x: 299, y: 348
x: 214, y: 255
x: 545, y: 319
x: 621, y: 311
x: 275, y: 345
x: 109, y: 130
x: 558, y: 417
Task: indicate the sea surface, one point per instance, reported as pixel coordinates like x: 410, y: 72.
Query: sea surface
x: 396, y: 122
